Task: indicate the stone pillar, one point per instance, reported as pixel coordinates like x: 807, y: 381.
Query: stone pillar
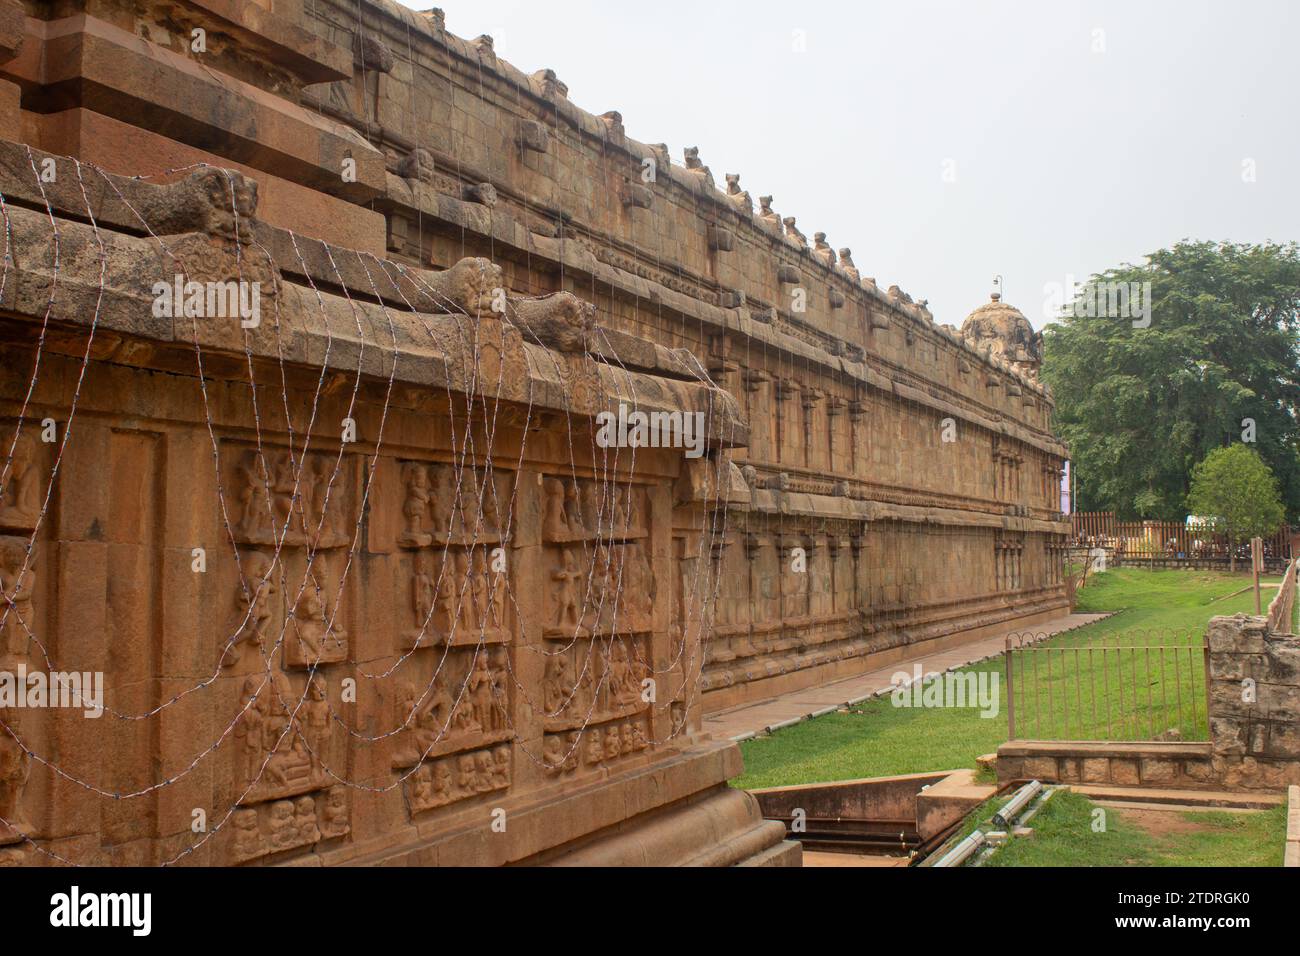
x: 858, y: 433
x: 12, y: 29
x: 758, y: 412
x: 1254, y: 700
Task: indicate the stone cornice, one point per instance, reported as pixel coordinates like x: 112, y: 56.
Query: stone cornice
x: 407, y: 31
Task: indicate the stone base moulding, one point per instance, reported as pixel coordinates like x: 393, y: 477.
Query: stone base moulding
x: 1184, y: 766
x: 727, y: 698
x: 677, y: 812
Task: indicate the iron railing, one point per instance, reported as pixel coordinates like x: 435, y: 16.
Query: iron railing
x: 1134, y: 686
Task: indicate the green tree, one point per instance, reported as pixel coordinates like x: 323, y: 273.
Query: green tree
x: 1140, y: 406
x: 1237, y: 491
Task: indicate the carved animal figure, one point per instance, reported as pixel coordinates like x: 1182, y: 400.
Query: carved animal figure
x: 561, y: 321
x: 793, y: 234
x: 846, y: 263
x: 417, y: 164
x: 822, y: 249
x: 208, y: 200
x: 471, y: 286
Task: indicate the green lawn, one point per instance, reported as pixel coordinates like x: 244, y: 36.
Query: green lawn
x: 877, y: 739
x: 1066, y: 834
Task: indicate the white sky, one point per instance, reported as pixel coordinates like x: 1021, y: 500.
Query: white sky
x: 1066, y: 161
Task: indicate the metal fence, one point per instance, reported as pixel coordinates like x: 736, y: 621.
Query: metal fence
x: 1134, y: 686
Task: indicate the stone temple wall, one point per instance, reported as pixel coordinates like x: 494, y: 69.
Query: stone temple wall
x: 388, y: 182
x: 846, y: 388
x: 358, y: 580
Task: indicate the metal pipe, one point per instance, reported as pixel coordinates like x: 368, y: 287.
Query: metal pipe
x: 1005, y: 817
x: 772, y: 728
x: 963, y: 850
x: 1030, y: 814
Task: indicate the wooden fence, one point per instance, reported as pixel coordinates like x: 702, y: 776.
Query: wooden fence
x: 1164, y: 542
x: 1281, y: 610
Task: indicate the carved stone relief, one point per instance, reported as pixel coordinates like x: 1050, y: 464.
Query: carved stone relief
x: 444, y: 505
x: 438, y: 783
x: 458, y: 596
x: 305, y: 500
x: 17, y: 588
x: 600, y: 588
x: 590, y: 682
x: 282, y: 825
x: 20, y: 497
x: 283, y: 744
x: 586, y: 510
x: 465, y: 705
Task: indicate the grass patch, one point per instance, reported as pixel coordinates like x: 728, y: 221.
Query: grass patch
x: 1161, y: 601
x: 874, y: 739
x: 877, y: 739
x: 1065, y: 834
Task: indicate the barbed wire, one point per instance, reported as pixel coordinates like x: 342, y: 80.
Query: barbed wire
x: 603, y: 577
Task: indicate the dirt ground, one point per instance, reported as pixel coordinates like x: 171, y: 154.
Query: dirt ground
x: 1160, y: 823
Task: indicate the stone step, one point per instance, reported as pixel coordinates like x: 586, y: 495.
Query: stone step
x: 943, y: 804
x: 1180, y: 799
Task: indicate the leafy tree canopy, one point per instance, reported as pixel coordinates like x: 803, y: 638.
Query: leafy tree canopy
x: 1140, y: 407
x: 1235, y: 489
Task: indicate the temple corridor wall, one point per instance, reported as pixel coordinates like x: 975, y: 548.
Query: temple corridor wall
x: 859, y: 404
x: 917, y: 472
x: 365, y: 612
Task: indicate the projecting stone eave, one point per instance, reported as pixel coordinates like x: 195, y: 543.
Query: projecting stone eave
x: 700, y: 187
x: 342, y: 321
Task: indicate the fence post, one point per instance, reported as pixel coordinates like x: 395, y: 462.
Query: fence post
x: 1257, y: 565
x: 1011, y: 693
x: 1206, y: 650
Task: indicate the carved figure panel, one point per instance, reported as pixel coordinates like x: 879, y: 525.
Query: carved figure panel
x: 317, y: 632
x: 17, y: 587
x: 599, y: 589
x: 465, y: 704
x: 23, y: 485
x: 458, y: 596
x: 594, y: 747
x: 282, y: 825
x: 598, y: 680
x: 445, y: 505
x: 438, y: 783
x: 303, y: 499
x: 586, y: 510
x: 15, y: 767
x: 253, y: 618
x: 284, y: 737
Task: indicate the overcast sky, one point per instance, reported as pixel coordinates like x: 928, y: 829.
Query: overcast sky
x: 947, y: 142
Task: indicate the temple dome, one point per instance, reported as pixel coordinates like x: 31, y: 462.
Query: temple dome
x: 1003, y: 331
